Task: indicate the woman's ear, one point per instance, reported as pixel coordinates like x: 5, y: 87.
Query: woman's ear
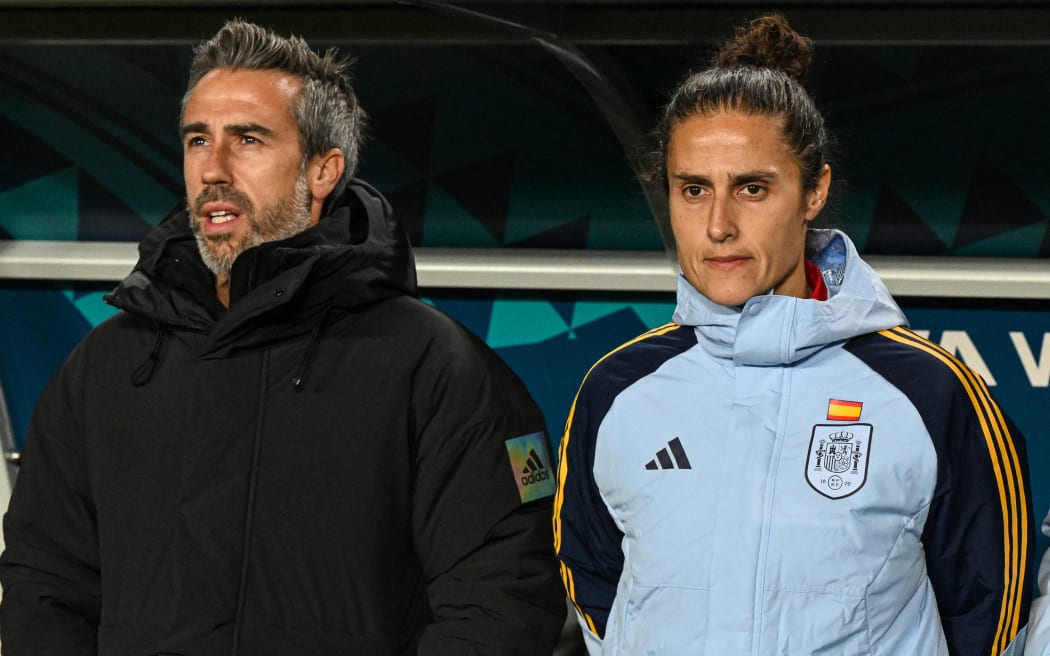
x: 817, y: 197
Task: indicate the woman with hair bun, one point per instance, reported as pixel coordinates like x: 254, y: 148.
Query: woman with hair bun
x: 784, y: 469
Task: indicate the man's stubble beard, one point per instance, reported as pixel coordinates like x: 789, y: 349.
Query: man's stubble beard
x: 285, y: 218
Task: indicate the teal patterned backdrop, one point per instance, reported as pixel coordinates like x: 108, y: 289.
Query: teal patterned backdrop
x: 500, y: 146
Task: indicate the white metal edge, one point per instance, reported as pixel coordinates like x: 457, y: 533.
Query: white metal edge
x: 66, y: 260
x: 631, y: 271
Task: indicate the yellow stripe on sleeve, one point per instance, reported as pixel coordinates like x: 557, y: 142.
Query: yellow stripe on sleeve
x: 563, y: 465
x: 1011, y: 489
x: 563, y: 469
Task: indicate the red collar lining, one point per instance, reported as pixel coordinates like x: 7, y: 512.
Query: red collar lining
x: 816, y: 282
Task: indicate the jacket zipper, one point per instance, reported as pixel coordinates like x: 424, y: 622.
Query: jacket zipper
x: 783, y: 412
x: 242, y: 590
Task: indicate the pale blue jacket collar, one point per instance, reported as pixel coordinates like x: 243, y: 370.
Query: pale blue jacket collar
x: 774, y: 330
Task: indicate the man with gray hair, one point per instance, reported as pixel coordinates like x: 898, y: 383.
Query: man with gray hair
x: 276, y: 448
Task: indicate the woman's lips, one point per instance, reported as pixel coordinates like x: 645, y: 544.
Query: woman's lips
x: 725, y: 263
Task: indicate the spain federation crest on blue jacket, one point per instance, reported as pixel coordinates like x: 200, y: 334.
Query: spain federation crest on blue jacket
x: 837, y: 465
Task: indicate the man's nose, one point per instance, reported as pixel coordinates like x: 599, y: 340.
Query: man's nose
x: 215, y: 169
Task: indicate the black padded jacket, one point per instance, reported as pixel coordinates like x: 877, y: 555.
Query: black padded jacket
x: 331, y: 466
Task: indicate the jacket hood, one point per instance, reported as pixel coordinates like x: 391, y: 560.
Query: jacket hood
x: 357, y: 254
x: 775, y: 330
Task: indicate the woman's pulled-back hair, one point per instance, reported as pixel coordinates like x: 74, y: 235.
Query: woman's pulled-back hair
x: 758, y: 72
x: 326, y: 112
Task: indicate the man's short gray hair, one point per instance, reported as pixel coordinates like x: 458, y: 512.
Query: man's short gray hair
x: 327, y: 112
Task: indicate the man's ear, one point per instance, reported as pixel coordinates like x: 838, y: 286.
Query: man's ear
x: 322, y: 175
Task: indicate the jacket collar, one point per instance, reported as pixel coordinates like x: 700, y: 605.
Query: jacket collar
x: 776, y: 330
x: 356, y: 255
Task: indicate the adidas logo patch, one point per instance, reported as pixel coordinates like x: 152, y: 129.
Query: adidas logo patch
x: 531, y: 466
x: 534, y: 470
x: 663, y: 458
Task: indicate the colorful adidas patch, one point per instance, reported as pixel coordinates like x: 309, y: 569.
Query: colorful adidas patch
x: 529, y: 463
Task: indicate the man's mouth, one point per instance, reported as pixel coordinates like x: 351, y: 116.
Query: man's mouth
x: 222, y: 216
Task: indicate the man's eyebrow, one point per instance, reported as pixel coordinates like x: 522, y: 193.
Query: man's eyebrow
x: 192, y: 128
x: 247, y: 128
x: 234, y: 129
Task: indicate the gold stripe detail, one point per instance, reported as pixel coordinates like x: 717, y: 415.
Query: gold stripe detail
x: 1018, y: 503
x: 563, y: 468
x: 1000, y: 446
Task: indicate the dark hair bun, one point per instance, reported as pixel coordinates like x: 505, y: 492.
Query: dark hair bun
x: 768, y: 42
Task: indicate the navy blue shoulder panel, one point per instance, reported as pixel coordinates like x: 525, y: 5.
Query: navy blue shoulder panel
x: 978, y: 534
x: 586, y: 537
x: 927, y: 382
x: 630, y: 363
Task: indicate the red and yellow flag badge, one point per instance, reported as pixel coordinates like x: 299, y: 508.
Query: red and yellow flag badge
x: 839, y: 410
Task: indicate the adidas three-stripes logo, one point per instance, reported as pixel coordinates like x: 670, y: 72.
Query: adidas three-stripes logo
x: 533, y: 463
x: 534, y: 470
x: 664, y: 458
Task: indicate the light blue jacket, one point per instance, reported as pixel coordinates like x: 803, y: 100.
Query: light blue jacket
x: 793, y: 477
x: 1039, y: 622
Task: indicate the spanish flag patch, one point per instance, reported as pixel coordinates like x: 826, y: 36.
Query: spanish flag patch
x: 839, y: 410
